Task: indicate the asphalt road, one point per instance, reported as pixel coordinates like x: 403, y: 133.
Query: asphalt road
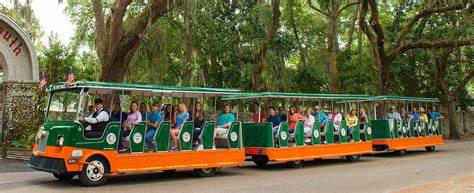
x: 449, y: 168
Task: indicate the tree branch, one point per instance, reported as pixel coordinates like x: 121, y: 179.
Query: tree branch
x: 347, y: 6
x: 441, y: 70
x: 378, y: 29
x: 420, y: 15
x: 310, y: 3
x: 464, y: 81
x: 154, y: 10
x: 429, y: 44
x: 116, y: 31
x: 100, y: 30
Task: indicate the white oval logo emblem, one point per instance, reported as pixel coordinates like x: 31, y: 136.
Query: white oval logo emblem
x: 369, y: 130
x: 343, y: 132
x: 186, y: 137
x: 316, y: 133
x: 137, y: 138
x: 111, y: 138
x: 283, y: 135
x: 233, y: 136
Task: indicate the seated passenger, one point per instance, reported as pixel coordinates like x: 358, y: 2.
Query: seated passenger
x: 282, y: 114
x: 181, y: 117
x: 256, y: 110
x: 275, y: 119
x: 352, y: 121
x: 320, y: 116
x: 169, y: 114
x: 336, y: 117
x: 309, y: 122
x: 413, y: 116
x: 143, y: 110
x: 363, y: 118
x: 423, y: 116
x: 117, y: 113
x: 134, y: 118
x: 152, y: 122
x: 198, y: 117
x: 293, y: 118
x: 97, y: 120
x: 224, y: 120
x: 392, y: 114
x: 435, y: 114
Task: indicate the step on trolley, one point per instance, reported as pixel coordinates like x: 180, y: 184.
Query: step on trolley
x: 322, y: 140
x: 62, y: 149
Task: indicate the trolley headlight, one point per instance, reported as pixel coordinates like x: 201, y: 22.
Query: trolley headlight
x: 61, y: 141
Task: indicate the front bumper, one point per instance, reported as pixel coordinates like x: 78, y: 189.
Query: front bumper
x: 47, y: 164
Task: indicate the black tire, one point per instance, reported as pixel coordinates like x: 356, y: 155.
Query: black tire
x: 430, y: 148
x: 64, y: 177
x: 353, y: 158
x: 169, y: 171
x: 90, y: 175
x: 318, y: 159
x: 260, y: 160
x: 400, y: 152
x: 206, y: 172
x: 295, y: 164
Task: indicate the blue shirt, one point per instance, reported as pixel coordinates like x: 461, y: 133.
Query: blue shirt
x: 224, y: 119
x: 434, y: 115
x: 416, y: 116
x: 283, y: 118
x: 180, y: 119
x: 321, y: 117
x: 154, y: 118
x: 116, y: 116
x: 274, y: 119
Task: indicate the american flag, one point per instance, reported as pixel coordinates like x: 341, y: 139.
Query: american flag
x: 70, y: 76
x: 42, y: 83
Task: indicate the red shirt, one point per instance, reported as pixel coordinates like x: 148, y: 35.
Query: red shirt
x: 293, y: 119
x: 255, y: 117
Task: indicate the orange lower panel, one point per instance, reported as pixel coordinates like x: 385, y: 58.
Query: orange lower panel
x: 177, y: 160
x: 123, y: 163
x: 312, y: 152
x: 407, y: 143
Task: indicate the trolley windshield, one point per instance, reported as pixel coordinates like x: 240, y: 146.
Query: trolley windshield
x: 63, y: 105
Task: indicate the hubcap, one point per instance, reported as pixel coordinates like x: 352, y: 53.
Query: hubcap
x: 206, y: 170
x: 94, y: 173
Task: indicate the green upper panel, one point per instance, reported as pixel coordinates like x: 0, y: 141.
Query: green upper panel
x: 145, y: 89
x: 308, y: 96
x: 403, y: 98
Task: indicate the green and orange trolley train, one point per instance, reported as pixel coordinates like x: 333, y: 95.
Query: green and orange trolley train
x: 62, y: 149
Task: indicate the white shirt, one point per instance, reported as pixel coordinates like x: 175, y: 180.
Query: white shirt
x: 101, y: 117
x: 309, y: 121
x: 338, y: 118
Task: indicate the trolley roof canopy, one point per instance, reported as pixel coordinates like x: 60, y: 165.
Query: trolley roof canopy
x: 295, y: 96
x: 398, y: 99
x: 143, y: 89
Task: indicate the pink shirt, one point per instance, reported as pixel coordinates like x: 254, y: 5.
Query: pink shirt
x: 133, y: 118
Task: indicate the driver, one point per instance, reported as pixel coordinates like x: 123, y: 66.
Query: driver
x: 97, y: 120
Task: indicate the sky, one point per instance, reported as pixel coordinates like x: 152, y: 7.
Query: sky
x: 52, y: 18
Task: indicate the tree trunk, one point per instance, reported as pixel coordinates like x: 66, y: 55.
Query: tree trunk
x: 453, y: 125
x: 332, y: 48
x: 187, y: 47
x: 258, y: 83
x: 410, y: 76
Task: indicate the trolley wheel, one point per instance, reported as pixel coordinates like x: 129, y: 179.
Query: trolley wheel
x: 353, y: 158
x: 295, y: 164
x: 260, y: 160
x: 65, y: 176
x: 206, y: 172
x: 93, y: 174
x: 317, y: 159
x: 401, y: 152
x: 430, y: 148
x: 169, y: 171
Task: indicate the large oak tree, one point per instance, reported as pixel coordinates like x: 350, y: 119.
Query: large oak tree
x: 117, y: 44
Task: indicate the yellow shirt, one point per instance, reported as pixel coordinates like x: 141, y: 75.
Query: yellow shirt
x: 424, y: 118
x: 352, y: 121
